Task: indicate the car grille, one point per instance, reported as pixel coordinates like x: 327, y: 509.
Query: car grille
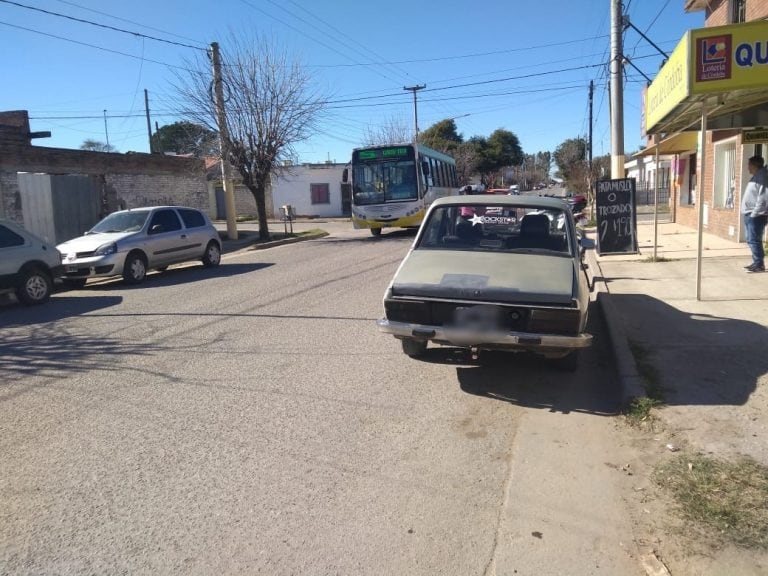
x: 85, y: 254
x: 563, y: 321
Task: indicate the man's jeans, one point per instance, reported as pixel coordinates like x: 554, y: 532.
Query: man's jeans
x: 755, y: 228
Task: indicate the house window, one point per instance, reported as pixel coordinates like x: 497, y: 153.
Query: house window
x: 738, y: 11
x: 725, y: 174
x: 320, y: 193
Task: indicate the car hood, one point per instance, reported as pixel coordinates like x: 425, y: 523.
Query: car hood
x: 90, y: 242
x: 488, y: 276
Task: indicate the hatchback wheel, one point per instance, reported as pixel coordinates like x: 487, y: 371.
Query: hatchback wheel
x: 376, y: 232
x: 34, y: 286
x: 212, y: 255
x: 135, y: 268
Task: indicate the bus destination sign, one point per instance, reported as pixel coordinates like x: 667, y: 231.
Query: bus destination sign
x: 376, y: 153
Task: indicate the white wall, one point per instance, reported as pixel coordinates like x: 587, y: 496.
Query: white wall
x: 292, y: 187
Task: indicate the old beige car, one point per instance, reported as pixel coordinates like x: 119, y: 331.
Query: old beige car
x: 492, y: 272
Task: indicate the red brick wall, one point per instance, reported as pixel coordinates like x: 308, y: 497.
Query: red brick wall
x: 718, y: 12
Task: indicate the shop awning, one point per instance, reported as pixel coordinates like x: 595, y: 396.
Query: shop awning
x: 677, y: 144
x: 722, y: 69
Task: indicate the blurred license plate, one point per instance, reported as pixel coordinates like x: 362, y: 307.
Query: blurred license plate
x: 70, y: 269
x: 480, y: 317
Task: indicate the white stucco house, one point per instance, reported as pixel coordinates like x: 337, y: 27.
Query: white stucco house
x: 313, y: 190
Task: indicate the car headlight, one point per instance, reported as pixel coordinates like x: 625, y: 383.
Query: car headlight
x: 106, y: 249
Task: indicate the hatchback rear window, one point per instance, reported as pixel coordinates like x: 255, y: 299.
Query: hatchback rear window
x: 9, y: 238
x: 192, y: 218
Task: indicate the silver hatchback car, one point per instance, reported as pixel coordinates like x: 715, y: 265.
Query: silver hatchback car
x: 131, y: 242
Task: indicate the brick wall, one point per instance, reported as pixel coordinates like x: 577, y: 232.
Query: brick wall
x: 719, y: 11
x: 720, y: 220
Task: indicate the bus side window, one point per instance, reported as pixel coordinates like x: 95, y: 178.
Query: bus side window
x: 454, y: 179
x: 446, y: 180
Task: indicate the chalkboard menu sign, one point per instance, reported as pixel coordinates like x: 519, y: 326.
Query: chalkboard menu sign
x: 616, y: 216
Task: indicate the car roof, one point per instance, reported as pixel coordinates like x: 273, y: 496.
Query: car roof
x: 149, y: 208
x: 482, y: 200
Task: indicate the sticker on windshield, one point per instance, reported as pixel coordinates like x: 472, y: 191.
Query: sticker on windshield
x: 478, y: 219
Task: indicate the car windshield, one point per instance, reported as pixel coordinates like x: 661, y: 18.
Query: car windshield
x: 380, y: 182
x: 497, y: 228
x: 121, y: 222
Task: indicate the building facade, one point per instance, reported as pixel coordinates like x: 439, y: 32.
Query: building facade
x: 726, y: 152
x: 314, y: 190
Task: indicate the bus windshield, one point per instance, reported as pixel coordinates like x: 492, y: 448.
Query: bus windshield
x: 384, y: 181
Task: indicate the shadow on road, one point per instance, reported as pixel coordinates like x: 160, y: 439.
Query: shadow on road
x: 700, y: 359
x: 531, y: 381
x: 57, y: 308
x: 54, y: 353
x: 399, y: 234
x: 182, y: 275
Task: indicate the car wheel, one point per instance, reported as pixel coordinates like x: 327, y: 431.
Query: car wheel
x: 212, y: 255
x: 135, y: 268
x: 414, y: 348
x: 569, y: 362
x: 34, y: 286
x: 74, y: 283
x: 376, y: 232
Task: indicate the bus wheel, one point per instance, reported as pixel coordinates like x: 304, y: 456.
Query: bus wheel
x: 376, y: 232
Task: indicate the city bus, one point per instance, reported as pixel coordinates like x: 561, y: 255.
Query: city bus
x: 393, y: 185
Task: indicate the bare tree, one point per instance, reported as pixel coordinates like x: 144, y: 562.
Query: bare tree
x: 393, y: 130
x: 271, y: 106
x: 96, y: 146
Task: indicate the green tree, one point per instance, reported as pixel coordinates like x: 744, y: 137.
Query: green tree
x: 96, y: 146
x: 570, y: 157
x: 442, y: 136
x: 185, y: 138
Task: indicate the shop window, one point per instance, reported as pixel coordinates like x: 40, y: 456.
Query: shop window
x: 688, y: 189
x: 725, y: 174
x: 320, y: 193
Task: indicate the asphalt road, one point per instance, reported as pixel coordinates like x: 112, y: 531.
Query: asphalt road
x: 251, y: 419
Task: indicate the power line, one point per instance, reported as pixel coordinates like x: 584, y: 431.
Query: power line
x: 97, y: 24
x: 93, y: 46
x: 87, y: 9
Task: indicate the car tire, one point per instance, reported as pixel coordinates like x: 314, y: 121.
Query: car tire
x: 414, y: 348
x: 74, y: 283
x: 376, y: 232
x: 135, y: 268
x: 569, y: 362
x: 34, y: 287
x: 212, y: 255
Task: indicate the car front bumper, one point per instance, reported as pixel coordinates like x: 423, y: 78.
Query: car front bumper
x: 468, y: 338
x: 94, y: 266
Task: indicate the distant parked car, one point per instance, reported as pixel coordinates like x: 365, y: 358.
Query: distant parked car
x: 492, y: 272
x: 28, y: 265
x: 131, y: 242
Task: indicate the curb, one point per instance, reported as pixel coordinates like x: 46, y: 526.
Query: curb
x: 631, y: 382
x: 253, y: 245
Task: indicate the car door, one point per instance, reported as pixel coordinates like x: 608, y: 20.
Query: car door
x: 166, y: 238
x: 198, y: 233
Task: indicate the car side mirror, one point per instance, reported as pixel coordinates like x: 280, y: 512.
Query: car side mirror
x: 345, y: 176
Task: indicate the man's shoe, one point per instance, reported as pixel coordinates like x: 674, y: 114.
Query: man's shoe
x: 748, y: 266
x: 754, y: 269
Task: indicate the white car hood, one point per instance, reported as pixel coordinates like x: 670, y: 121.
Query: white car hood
x: 90, y: 242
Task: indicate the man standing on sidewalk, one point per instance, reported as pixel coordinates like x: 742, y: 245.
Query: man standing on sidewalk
x: 754, y: 206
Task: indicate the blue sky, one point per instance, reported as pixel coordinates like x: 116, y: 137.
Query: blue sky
x: 352, y: 48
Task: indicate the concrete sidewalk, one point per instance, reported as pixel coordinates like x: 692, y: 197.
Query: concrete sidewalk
x: 711, y: 356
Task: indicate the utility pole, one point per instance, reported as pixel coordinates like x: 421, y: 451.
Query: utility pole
x: 415, y: 89
x: 149, y: 122
x: 106, y: 129
x: 590, y: 173
x: 617, y: 90
x: 221, y: 120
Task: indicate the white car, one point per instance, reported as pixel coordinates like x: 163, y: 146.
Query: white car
x: 131, y: 242
x: 28, y: 264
